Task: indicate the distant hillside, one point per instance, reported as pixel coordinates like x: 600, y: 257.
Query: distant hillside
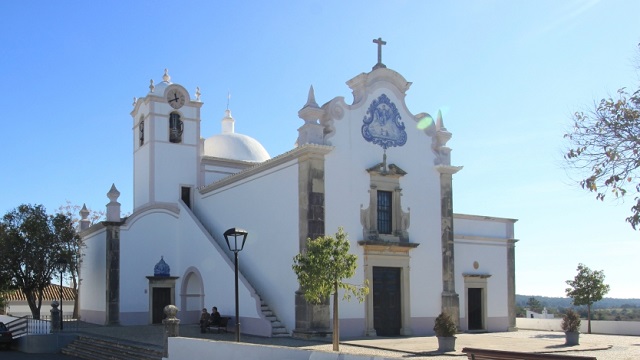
x: 555, y: 302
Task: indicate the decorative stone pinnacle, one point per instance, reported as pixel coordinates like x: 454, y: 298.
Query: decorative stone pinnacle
x: 84, y: 213
x: 166, y: 78
x: 198, y: 93
x: 439, y: 122
x: 113, y: 193
x: 135, y: 99
x: 311, y: 98
x: 151, y: 86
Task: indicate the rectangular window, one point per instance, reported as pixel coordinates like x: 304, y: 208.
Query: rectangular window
x: 175, y: 128
x: 141, y: 134
x: 186, y: 196
x: 384, y: 212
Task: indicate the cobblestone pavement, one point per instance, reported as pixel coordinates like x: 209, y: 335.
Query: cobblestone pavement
x: 17, y: 355
x: 603, y: 347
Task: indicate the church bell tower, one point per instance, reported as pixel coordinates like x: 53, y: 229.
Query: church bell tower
x: 166, y: 144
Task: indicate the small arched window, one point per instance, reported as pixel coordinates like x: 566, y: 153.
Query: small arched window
x: 175, y: 128
x: 141, y: 132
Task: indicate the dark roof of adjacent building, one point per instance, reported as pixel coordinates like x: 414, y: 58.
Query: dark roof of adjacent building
x: 50, y: 293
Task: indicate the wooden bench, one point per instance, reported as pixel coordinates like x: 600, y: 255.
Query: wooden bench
x: 486, y: 354
x: 224, y: 321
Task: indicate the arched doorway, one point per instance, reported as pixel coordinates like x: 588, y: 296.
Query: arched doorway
x: 192, y: 295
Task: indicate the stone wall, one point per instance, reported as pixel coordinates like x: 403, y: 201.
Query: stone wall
x: 597, y: 326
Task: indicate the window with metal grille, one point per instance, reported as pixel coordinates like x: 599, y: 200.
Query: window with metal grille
x: 175, y: 128
x: 384, y: 212
x: 141, y: 132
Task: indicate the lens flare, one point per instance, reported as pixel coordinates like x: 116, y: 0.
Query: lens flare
x: 425, y: 122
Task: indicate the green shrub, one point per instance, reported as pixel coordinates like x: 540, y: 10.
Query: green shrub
x: 445, y: 326
x: 571, y: 321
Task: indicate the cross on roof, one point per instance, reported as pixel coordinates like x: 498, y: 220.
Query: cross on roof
x: 380, y: 42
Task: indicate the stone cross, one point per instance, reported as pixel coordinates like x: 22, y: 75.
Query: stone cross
x: 380, y: 42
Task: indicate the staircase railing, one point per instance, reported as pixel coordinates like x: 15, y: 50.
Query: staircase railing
x: 28, y: 325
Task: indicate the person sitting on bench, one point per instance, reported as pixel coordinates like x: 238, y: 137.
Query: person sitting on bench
x: 204, y: 320
x: 215, y: 317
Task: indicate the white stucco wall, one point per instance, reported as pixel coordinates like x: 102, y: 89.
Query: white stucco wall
x: 173, y: 233
x: 144, y: 239
x: 189, y: 348
x: 597, y: 326
x: 92, y: 302
x: 481, y: 249
x: 141, y: 176
x: 266, y: 206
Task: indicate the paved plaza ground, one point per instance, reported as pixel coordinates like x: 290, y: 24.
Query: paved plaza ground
x: 603, y: 347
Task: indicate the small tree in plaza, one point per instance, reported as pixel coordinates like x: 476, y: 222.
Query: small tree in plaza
x: 587, y: 288
x: 322, y: 269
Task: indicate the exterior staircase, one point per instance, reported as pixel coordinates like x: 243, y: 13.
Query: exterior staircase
x: 277, y: 328
x: 94, y: 348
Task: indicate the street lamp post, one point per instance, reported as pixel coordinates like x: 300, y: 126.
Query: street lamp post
x: 62, y: 263
x: 236, y: 248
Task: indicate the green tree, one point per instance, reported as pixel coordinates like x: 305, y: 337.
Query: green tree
x: 31, y: 243
x: 587, y: 288
x: 534, y: 305
x: 604, y: 145
x: 321, y: 270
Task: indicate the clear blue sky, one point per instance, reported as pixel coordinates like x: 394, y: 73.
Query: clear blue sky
x: 506, y: 74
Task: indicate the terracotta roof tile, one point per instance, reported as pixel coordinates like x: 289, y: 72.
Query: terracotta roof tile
x: 50, y: 293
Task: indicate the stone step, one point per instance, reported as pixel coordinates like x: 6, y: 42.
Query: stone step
x: 280, y: 335
x: 279, y: 330
x: 89, y: 347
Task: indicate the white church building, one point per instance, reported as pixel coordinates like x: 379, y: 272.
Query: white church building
x: 371, y: 166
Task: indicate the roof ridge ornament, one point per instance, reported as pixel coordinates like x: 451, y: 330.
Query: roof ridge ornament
x: 161, y: 269
x: 311, y: 98
x: 166, y: 78
x: 380, y: 42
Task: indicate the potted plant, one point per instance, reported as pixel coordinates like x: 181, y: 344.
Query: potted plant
x: 445, y: 329
x: 571, y: 327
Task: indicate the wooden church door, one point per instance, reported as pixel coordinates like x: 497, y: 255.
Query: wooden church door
x: 474, y: 308
x: 161, y: 298
x: 387, y: 301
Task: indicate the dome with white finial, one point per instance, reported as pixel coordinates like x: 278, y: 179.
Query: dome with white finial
x: 233, y: 146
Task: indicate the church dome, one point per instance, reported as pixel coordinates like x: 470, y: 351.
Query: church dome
x: 229, y: 145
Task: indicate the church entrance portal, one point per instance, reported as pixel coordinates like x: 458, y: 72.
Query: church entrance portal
x: 161, y: 298
x: 162, y: 291
x: 474, y: 308
x: 387, y: 302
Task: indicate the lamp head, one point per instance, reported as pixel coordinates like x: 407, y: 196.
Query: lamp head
x: 235, y: 233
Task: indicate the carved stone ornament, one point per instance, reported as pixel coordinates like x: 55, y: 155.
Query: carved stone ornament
x: 382, y: 125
